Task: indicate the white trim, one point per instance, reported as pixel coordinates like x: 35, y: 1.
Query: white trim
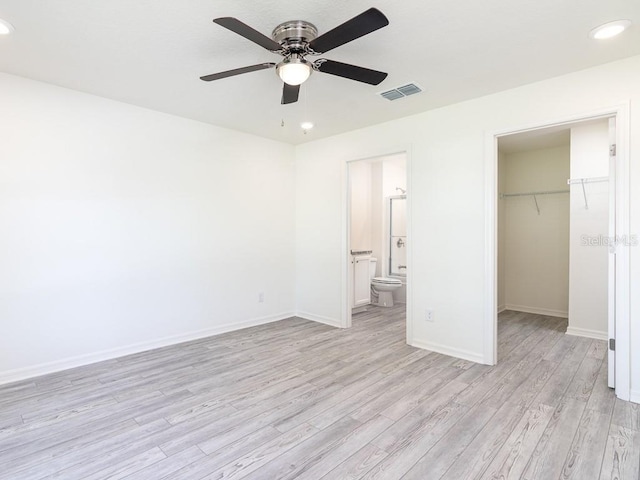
x: 450, y: 351
x: 611, y: 259
x: 82, y: 360
x: 623, y: 276
x: 346, y: 292
x: 332, y: 322
x: 409, y: 278
x: 537, y: 311
x: 634, y: 396
x: 588, y: 333
x: 501, y: 308
x: 490, y: 324
x: 623, y: 319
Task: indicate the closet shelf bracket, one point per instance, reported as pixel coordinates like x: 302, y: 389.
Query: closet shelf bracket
x: 582, y: 181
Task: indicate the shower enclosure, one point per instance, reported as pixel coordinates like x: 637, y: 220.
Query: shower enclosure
x: 398, y: 236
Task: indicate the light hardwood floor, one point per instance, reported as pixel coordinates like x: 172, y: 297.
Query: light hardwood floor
x: 296, y: 399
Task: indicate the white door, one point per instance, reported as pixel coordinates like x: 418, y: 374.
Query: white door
x: 612, y: 254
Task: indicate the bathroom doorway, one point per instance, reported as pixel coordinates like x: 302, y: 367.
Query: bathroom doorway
x: 377, y: 242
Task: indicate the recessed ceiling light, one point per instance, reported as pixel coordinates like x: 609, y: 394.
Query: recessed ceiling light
x: 5, y: 27
x: 306, y: 125
x: 610, y: 29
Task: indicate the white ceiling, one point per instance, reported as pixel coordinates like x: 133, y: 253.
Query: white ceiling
x: 152, y: 52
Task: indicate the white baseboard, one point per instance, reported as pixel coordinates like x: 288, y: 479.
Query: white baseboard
x: 501, y: 308
x: 537, y: 311
x: 634, y: 396
x: 81, y: 360
x: 585, y: 332
x: 450, y: 351
x: 332, y: 322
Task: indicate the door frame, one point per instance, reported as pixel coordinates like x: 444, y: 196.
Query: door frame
x: 347, y: 275
x: 622, y: 223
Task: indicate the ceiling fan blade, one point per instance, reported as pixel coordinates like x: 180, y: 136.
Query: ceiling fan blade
x: 247, y: 32
x: 365, y: 23
x: 237, y: 71
x: 290, y: 93
x: 352, y: 72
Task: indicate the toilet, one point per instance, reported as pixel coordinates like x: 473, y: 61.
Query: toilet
x: 383, y: 286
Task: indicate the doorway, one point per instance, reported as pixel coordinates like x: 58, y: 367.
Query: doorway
x: 593, y: 190
x: 533, y: 223
x: 377, y: 253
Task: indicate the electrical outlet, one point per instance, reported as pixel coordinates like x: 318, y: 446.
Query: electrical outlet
x: 261, y: 297
x: 428, y: 315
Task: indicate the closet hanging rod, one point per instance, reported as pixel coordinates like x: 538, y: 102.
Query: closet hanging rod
x: 572, y: 181
x: 525, y: 194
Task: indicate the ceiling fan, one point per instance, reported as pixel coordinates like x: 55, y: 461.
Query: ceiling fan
x: 296, y: 39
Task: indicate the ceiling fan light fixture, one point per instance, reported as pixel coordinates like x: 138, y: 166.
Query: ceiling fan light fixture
x: 5, y: 27
x: 294, y: 70
x: 610, y: 29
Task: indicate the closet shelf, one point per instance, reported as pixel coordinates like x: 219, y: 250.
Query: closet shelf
x: 573, y: 181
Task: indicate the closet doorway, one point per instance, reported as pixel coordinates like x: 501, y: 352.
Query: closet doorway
x: 559, y: 244
x: 533, y: 224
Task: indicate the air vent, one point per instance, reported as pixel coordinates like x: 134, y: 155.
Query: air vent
x: 409, y: 89
x: 392, y: 94
x: 400, y: 92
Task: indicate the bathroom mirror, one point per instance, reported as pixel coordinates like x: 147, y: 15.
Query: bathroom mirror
x: 398, y: 236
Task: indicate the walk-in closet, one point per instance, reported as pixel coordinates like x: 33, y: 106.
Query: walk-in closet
x: 554, y: 237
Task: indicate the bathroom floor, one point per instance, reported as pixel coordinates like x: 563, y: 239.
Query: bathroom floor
x: 376, y: 316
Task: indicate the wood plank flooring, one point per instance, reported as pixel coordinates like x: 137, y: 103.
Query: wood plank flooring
x: 296, y: 399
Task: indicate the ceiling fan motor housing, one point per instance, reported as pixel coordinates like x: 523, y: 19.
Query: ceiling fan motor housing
x: 295, y: 35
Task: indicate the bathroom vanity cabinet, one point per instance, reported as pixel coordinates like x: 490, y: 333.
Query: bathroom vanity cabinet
x: 361, y: 280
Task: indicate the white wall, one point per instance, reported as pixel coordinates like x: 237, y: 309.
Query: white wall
x: 394, y: 175
x: 124, y: 228
x: 116, y: 234
x: 447, y: 186
x: 535, y: 253
x: 361, y: 205
x: 377, y: 212
x: 589, y: 256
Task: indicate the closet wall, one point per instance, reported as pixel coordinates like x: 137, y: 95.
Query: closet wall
x: 533, y: 248
x: 589, y: 257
